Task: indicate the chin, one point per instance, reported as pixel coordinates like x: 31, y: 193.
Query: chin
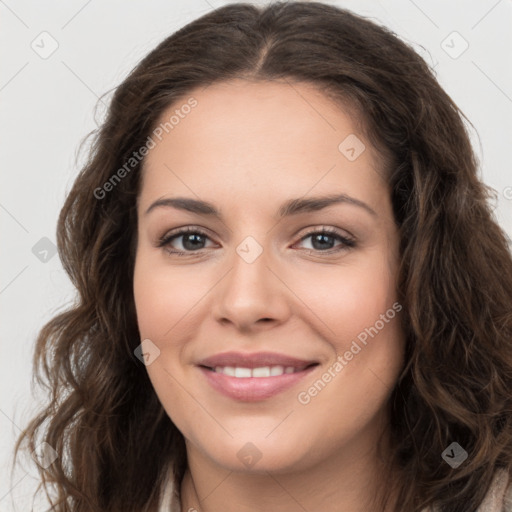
x: 258, y: 454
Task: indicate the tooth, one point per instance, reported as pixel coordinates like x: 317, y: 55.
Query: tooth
x: 242, y: 372
x: 229, y: 370
x: 276, y: 370
x: 263, y: 371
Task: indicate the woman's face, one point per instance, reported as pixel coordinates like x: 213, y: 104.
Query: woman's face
x: 272, y: 346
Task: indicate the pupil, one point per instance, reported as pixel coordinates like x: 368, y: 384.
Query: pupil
x: 319, y: 238
x: 197, y: 239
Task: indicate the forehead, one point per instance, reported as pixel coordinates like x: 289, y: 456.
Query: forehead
x: 242, y: 133
x: 241, y: 109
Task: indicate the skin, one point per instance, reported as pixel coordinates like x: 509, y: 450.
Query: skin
x: 248, y: 147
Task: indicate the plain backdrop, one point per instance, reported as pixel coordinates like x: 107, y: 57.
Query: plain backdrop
x: 58, y: 58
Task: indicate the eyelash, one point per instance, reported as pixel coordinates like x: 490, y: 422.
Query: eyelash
x: 347, y: 243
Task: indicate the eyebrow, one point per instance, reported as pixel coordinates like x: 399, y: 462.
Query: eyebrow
x: 290, y: 207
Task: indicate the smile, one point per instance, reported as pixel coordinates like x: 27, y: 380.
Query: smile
x: 254, y: 377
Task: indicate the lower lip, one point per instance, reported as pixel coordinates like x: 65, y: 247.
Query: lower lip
x: 252, y: 389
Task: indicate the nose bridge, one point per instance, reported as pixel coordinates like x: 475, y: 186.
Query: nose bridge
x: 250, y: 273
x: 250, y: 291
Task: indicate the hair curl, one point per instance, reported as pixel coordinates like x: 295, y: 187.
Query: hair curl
x: 114, y: 439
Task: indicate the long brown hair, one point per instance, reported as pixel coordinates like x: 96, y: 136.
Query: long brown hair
x: 114, y: 440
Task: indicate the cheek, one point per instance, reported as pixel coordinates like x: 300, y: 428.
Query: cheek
x: 363, y: 317
x: 164, y: 305
x: 349, y: 299
x: 163, y: 298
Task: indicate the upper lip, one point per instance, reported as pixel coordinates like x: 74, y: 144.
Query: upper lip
x: 254, y: 360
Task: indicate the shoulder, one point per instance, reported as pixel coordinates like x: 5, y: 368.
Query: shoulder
x: 507, y: 500
x: 498, y: 498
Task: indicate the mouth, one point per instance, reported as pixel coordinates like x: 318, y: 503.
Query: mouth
x: 254, y: 377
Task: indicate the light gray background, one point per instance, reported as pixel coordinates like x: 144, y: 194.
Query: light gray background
x: 48, y: 108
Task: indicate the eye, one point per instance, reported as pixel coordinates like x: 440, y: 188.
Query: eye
x: 322, y: 240
x: 193, y: 239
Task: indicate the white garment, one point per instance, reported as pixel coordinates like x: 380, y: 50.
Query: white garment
x: 169, y: 501
x: 498, y: 499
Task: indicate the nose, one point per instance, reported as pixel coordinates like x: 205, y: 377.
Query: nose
x: 251, y: 295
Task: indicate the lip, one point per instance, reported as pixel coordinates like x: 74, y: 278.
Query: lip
x: 252, y: 389
x: 254, y: 360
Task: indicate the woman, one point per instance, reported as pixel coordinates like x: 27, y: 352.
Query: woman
x: 220, y: 356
